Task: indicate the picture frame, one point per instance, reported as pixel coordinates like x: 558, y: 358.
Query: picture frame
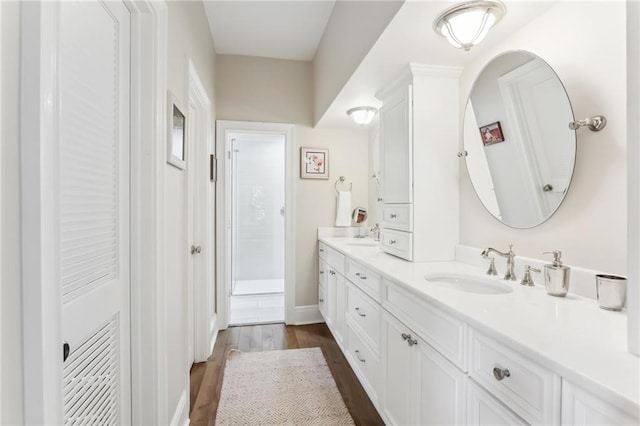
x: 177, y: 134
x: 491, y: 134
x: 314, y: 163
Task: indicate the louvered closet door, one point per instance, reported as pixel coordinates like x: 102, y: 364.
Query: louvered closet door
x: 93, y: 60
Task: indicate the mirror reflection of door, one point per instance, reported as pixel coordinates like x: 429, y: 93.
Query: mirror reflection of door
x: 523, y: 177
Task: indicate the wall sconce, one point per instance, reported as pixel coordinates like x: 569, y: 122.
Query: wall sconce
x: 466, y: 24
x: 362, y: 115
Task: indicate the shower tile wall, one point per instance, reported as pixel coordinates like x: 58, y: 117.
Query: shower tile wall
x: 259, y: 198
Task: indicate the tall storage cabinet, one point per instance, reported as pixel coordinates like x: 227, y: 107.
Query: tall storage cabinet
x: 419, y: 138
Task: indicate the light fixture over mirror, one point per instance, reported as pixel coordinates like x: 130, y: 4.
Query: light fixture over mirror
x: 362, y: 115
x: 466, y: 24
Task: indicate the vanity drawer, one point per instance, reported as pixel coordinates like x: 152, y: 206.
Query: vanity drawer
x: 397, y: 216
x: 530, y: 390
x: 442, y: 331
x: 397, y: 243
x: 364, y: 361
x: 334, y: 258
x: 365, y: 313
x: 363, y: 277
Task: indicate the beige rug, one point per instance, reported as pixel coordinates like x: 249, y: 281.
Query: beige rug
x: 291, y: 387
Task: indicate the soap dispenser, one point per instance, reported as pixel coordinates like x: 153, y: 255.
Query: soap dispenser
x: 556, y: 276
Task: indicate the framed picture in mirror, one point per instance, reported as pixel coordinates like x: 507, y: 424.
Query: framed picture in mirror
x: 491, y: 133
x: 177, y: 137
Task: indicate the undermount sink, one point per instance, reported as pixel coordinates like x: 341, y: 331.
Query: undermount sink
x: 468, y: 283
x: 363, y: 243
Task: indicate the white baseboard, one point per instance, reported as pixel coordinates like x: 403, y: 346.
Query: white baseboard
x: 302, y: 315
x: 181, y: 415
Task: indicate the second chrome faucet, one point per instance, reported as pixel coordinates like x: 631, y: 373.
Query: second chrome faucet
x: 510, y: 255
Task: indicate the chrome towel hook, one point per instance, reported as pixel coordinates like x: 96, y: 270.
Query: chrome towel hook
x: 595, y: 123
x: 340, y: 180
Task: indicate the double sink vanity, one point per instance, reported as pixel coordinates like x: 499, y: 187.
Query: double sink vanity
x: 443, y: 343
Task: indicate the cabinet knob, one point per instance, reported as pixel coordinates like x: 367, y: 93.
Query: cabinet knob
x: 321, y: 250
x: 405, y: 336
x: 379, y: 198
x: 360, y: 313
x: 321, y: 300
x: 500, y: 373
x: 411, y: 341
x: 321, y: 272
x: 332, y: 273
x: 393, y: 215
x: 392, y: 242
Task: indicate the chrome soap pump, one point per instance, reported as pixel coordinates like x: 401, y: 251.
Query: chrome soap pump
x: 556, y: 276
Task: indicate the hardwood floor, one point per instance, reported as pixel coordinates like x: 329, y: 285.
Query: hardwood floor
x: 206, y: 377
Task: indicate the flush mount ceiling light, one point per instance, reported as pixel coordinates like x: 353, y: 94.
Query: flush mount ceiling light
x: 362, y: 115
x: 466, y: 24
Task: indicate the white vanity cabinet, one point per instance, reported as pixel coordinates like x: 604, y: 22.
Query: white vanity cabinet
x: 581, y: 407
x: 418, y: 163
x: 332, y: 291
x: 420, y: 385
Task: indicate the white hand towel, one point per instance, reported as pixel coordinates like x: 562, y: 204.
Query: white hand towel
x: 343, y: 208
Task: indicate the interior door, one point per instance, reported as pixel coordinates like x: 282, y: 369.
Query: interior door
x: 93, y: 202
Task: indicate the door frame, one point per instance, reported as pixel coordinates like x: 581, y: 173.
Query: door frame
x: 201, y: 318
x: 223, y: 213
x: 41, y: 311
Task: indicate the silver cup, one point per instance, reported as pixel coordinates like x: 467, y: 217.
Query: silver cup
x: 612, y: 292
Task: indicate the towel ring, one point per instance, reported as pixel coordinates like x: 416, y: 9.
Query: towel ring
x: 341, y: 180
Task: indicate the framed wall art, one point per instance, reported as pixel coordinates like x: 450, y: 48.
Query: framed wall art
x: 177, y: 137
x: 314, y: 163
x: 491, y: 133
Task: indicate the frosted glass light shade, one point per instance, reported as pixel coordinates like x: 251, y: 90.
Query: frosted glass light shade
x: 466, y: 24
x: 362, y: 115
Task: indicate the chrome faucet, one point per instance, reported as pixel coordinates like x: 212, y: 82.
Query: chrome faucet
x: 510, y: 255
x: 375, y: 231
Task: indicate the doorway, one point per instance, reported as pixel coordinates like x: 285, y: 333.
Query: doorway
x: 257, y: 169
x: 255, y: 216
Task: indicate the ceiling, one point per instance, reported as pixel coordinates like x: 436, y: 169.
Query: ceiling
x: 271, y: 29
x: 410, y: 38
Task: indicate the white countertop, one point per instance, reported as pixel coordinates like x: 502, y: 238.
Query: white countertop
x: 571, y: 336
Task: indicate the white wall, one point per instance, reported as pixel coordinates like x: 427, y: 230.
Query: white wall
x: 189, y: 38
x: 590, y: 226
x: 633, y: 166
x: 11, y: 309
x: 280, y: 91
x: 353, y: 28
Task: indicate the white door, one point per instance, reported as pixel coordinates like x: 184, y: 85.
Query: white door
x: 93, y: 202
x: 396, y: 146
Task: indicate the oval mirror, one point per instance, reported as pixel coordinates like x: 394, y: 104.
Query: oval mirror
x: 520, y: 150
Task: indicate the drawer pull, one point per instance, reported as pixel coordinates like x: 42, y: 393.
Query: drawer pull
x: 321, y: 272
x: 321, y: 300
x: 392, y: 242
x: 332, y: 272
x: 393, y: 215
x: 360, y: 313
x: 321, y: 250
x: 411, y: 341
x: 500, y: 373
x: 358, y: 356
x: 363, y: 277
x: 405, y: 336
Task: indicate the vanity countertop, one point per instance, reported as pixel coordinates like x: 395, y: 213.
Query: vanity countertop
x: 571, y: 336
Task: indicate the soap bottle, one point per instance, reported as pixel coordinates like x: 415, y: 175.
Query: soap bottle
x: 556, y: 276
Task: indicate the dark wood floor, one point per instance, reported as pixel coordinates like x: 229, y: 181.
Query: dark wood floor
x: 206, y: 377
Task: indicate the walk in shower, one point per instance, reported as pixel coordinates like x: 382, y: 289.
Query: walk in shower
x: 257, y: 228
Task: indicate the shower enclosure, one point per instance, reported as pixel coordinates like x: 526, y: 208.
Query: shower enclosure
x: 257, y: 228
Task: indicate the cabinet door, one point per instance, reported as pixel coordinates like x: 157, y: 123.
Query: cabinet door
x: 580, y: 407
x: 484, y: 409
x: 441, y: 393
x: 340, y: 331
x: 323, y: 273
x: 330, y: 299
x: 400, y: 383
x: 396, y: 164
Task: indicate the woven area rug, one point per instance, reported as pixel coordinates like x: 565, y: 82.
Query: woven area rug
x: 290, y: 387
